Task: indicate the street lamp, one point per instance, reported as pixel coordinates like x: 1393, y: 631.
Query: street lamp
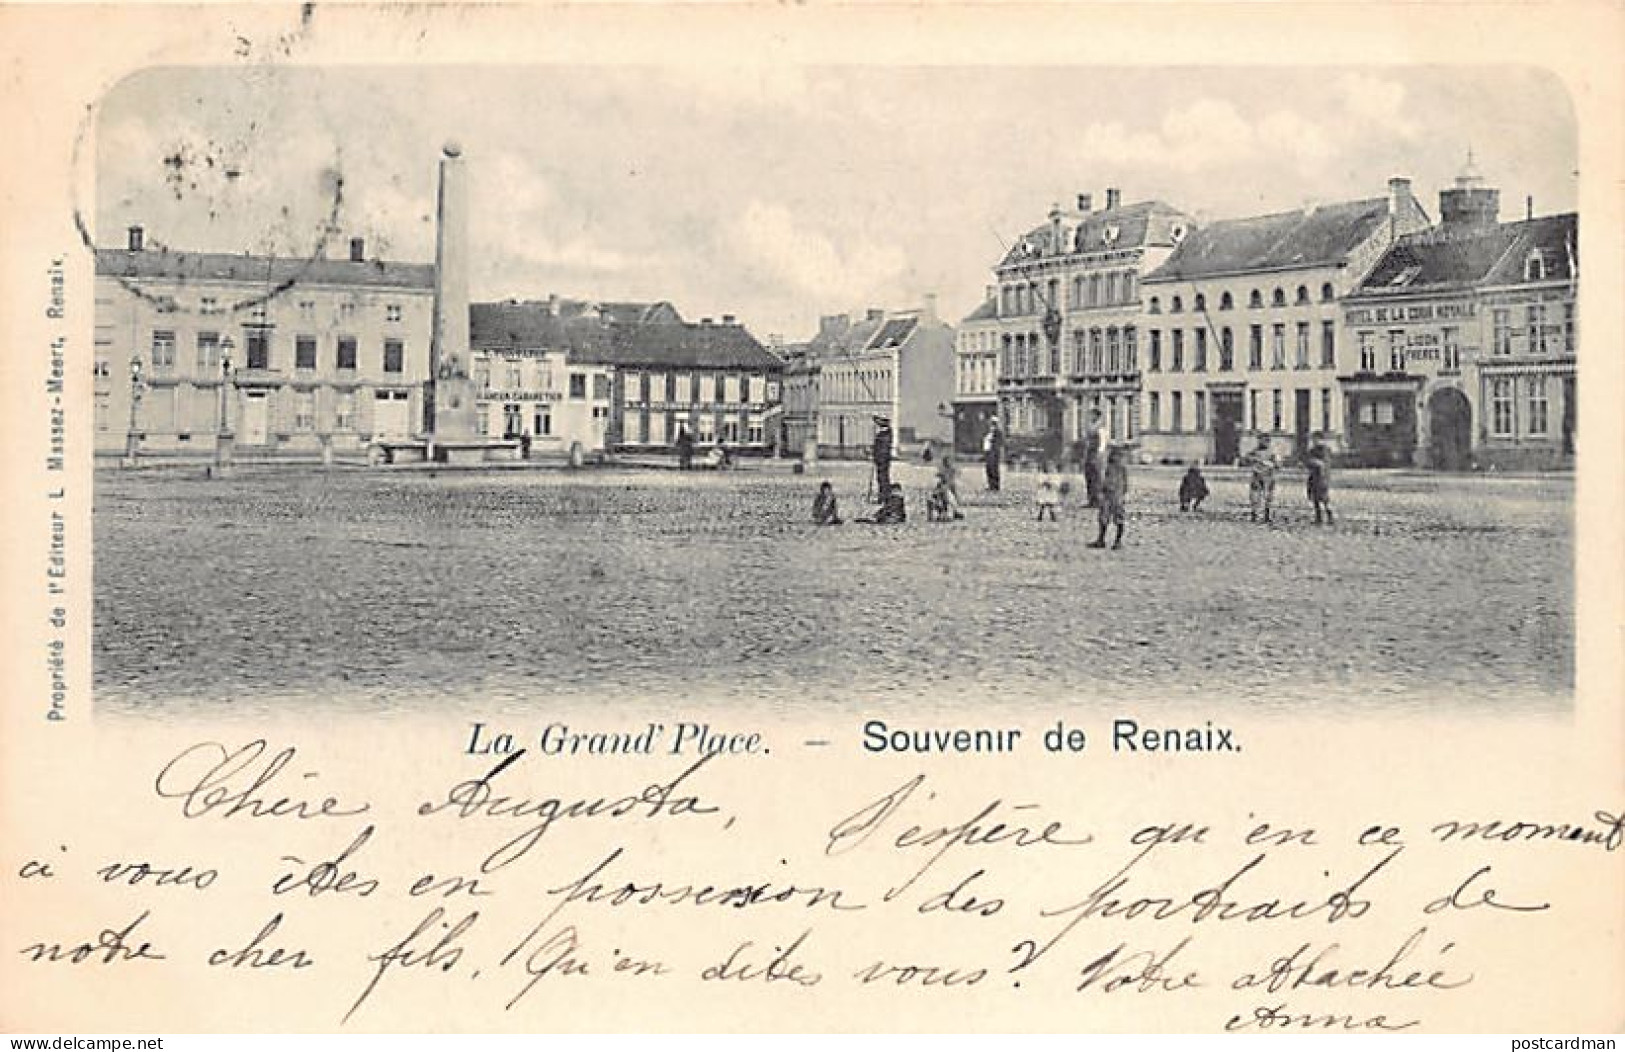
x: 224, y: 441
x: 132, y: 438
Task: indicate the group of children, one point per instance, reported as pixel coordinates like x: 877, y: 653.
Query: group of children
x: 1263, y: 465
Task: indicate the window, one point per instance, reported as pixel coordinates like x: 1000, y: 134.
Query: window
x: 304, y: 352
x: 307, y: 310
x: 1255, y: 299
x: 1279, y: 298
x: 1326, y: 410
x: 707, y: 429
x: 578, y: 385
x: 1113, y: 293
x: 1131, y: 352
x: 1536, y: 327
x: 1130, y: 293
x: 1501, y: 406
x: 543, y: 421
x: 347, y: 310
x: 208, y: 353
x: 1368, y: 412
x: 1155, y: 364
x: 1156, y: 411
x: 1303, y: 345
x: 256, y: 349
x: 1450, y: 357
x: 1201, y: 410
x: 394, y: 356
x: 600, y: 387
x: 1303, y: 294
x: 1255, y: 347
x: 1201, y: 302
x: 209, y: 305
x: 345, y: 359
x: 304, y: 410
x: 730, y: 388
x: 718, y: 391
x: 1097, y: 351
x: 1177, y: 362
x: 1278, y: 345
x: 631, y: 388
x: 1177, y: 411
x: 516, y: 377
x: 1252, y: 409
x: 1568, y: 327
x: 1096, y: 290
x: 1114, y: 350
x: 392, y: 312
x: 1328, y: 345
x: 1275, y: 409
x: 1534, y: 267
x: 1368, y: 352
x: 1396, y: 350
x: 1385, y: 413
x: 1536, y: 418
x: 1177, y: 306
x: 1156, y: 305
x: 1200, y: 365
x: 1227, y: 350
x: 754, y: 433
x: 163, y: 350
x: 1326, y: 293
x: 1054, y: 361
x: 1225, y: 302
x: 1502, y: 343
x: 344, y: 411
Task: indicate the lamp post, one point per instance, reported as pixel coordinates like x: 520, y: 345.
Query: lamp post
x: 132, y: 438
x: 224, y: 440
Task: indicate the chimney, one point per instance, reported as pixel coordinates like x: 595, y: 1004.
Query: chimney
x: 705, y: 321
x: 1399, y: 195
x: 727, y: 319
x: 928, y: 308
x: 1529, y: 207
x: 1086, y: 203
x: 358, y: 250
x: 136, y: 238
x: 552, y: 304
x: 1114, y: 197
x: 874, y: 314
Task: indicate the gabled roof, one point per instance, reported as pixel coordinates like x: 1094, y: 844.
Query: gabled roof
x: 587, y: 338
x: 984, y: 310
x: 1319, y: 237
x: 1131, y: 226
x: 894, y: 333
x: 1441, y: 259
x: 271, y: 272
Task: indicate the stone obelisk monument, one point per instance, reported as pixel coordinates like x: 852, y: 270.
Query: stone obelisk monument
x: 449, y: 409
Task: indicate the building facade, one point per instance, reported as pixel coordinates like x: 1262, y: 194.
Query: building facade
x: 897, y: 365
x: 291, y: 356
x: 802, y: 378
x: 1242, y: 326
x: 976, y: 374
x: 1068, y: 321
x: 1464, y: 342
x: 530, y: 388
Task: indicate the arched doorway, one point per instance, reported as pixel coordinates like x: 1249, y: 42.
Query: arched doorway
x: 1450, y: 430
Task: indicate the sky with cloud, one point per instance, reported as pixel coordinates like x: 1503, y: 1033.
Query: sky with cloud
x: 779, y: 193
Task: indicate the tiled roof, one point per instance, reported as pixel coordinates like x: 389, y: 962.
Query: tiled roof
x: 1441, y: 259
x: 1141, y: 223
x: 1316, y: 237
x: 515, y: 326
x: 893, y: 333
x: 268, y: 271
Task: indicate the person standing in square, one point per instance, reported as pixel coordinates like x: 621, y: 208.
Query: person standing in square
x: 1261, y: 485
x: 1113, y: 498
x: 1091, y: 459
x: 1319, y: 462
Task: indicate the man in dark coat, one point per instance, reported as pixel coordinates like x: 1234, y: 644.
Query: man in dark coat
x: 881, y: 453
x: 685, y: 447
x: 1091, y: 459
x: 993, y: 455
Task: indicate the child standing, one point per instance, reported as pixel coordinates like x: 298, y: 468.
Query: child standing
x: 1113, y: 494
x: 1319, y: 462
x: 1261, y: 488
x: 1192, y: 489
x: 1048, y: 496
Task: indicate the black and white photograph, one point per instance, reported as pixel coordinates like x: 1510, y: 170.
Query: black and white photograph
x: 1252, y: 387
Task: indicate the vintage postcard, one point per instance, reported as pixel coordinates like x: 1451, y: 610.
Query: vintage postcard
x: 812, y: 518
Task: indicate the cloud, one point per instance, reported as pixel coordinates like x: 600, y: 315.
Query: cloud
x: 1211, y: 133
x: 793, y: 254
x: 1376, y: 103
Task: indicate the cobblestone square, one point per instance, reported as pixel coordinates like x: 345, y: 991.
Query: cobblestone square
x: 392, y: 590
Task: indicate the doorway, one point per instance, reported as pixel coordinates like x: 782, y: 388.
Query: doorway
x: 1227, y: 426
x: 256, y: 418
x: 1450, y: 430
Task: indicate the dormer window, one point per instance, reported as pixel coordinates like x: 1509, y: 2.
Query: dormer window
x: 1404, y: 277
x: 1534, y: 267
x: 1156, y: 305
x: 1256, y: 300
x: 1201, y: 302
x: 1225, y: 302
x: 1177, y: 306
x: 1279, y: 298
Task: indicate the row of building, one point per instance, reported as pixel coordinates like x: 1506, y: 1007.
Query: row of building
x: 292, y: 356
x: 1397, y: 339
